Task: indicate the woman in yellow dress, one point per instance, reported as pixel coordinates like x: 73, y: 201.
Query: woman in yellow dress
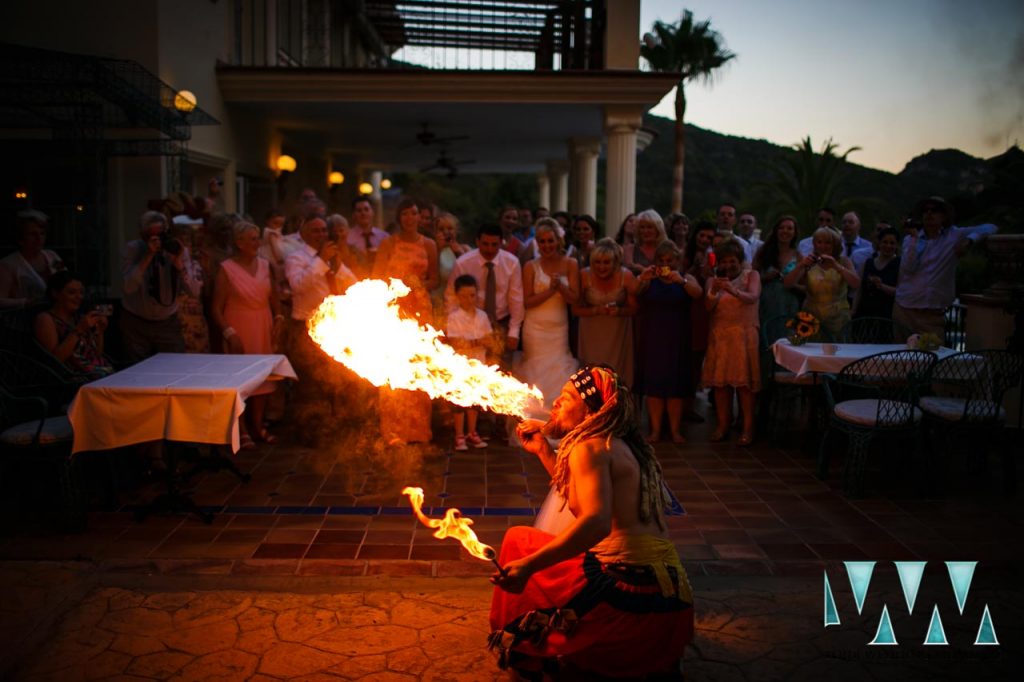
x: 409, y: 256
x: 827, y: 275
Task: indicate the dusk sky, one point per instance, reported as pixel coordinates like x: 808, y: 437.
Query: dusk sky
x: 896, y: 77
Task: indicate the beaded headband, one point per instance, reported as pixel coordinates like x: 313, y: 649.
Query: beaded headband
x: 595, y: 384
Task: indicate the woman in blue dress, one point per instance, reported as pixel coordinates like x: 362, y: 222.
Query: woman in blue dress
x: 664, y: 373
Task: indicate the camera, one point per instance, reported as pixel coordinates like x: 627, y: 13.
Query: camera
x: 105, y: 309
x: 911, y: 224
x: 664, y: 271
x: 169, y: 244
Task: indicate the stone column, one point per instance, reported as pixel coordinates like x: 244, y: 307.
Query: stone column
x: 585, y: 151
x: 558, y: 177
x: 543, y: 191
x: 621, y: 126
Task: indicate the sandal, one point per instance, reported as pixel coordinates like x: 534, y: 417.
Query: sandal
x: 267, y: 437
x: 746, y: 439
x: 717, y: 436
x: 246, y: 442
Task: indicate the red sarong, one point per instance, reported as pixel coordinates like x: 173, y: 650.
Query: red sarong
x: 614, y: 619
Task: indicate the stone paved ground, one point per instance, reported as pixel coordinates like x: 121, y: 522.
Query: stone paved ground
x: 74, y: 622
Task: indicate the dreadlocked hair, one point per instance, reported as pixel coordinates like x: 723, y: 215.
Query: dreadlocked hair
x: 617, y: 419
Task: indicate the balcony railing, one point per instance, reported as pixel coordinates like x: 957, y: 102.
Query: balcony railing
x: 433, y: 34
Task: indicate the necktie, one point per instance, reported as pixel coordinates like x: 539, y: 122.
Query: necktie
x: 849, y: 247
x: 369, y: 245
x: 491, y: 293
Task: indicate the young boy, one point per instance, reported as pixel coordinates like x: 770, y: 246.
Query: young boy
x: 468, y: 331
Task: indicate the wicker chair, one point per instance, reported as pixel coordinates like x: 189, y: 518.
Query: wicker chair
x: 871, y: 397
x: 965, y: 403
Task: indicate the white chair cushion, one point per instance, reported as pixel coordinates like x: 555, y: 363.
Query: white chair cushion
x: 55, y: 430
x: 790, y: 379
x: 865, y: 412
x: 952, y: 409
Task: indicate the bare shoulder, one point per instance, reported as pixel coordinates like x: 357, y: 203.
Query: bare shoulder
x: 590, y: 452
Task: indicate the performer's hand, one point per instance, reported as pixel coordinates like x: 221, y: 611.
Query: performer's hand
x: 511, y: 343
x: 517, y: 574
x: 530, y: 433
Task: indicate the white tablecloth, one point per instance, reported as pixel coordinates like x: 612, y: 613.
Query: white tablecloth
x: 809, y: 357
x: 193, y: 398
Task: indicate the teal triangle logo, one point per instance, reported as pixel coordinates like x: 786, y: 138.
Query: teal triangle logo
x: 910, y: 573
x: 831, y: 613
x: 986, y: 631
x: 884, y: 636
x: 936, y: 633
x: 859, y: 573
x: 960, y: 574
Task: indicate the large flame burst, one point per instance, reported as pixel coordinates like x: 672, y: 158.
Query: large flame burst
x: 453, y: 525
x: 364, y: 331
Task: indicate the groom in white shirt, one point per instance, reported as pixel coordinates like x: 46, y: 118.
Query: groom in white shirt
x: 500, y: 287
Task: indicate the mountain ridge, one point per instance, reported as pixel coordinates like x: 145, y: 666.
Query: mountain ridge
x: 722, y: 167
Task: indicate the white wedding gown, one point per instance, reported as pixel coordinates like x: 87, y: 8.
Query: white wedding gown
x: 546, y: 361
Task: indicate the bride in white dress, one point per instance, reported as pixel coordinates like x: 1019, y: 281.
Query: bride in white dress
x: 550, y: 285
x: 551, y: 282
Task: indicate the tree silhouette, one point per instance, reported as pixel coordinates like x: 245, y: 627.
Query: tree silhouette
x: 807, y: 180
x: 693, y: 50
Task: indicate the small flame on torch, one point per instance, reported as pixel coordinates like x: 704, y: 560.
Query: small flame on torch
x: 364, y: 331
x: 453, y: 525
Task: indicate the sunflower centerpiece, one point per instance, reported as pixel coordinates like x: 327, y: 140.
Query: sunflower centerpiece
x: 804, y: 326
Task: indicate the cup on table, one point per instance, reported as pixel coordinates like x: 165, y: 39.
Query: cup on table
x: 829, y: 348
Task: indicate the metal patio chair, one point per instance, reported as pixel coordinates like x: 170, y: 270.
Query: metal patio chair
x: 873, y: 397
x: 965, y: 404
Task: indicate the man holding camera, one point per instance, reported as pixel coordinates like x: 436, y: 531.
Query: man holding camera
x: 153, y: 272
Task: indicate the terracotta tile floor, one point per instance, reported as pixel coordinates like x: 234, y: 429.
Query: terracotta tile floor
x: 758, y: 510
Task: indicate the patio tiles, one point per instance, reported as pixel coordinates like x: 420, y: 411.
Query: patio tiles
x: 381, y: 537
x: 291, y: 536
x: 839, y: 551
x: 891, y: 551
x: 695, y: 552
x: 740, y: 551
x: 715, y: 522
x: 788, y: 551
x: 342, y: 551
x: 356, y: 536
x: 760, y: 522
x: 774, y: 536
x: 241, y: 535
x: 715, y: 537
x: 734, y: 567
x: 383, y: 552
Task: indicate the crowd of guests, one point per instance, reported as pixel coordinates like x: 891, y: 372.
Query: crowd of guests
x: 673, y: 307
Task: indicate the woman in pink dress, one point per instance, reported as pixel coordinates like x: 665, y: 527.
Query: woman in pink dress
x: 246, y: 307
x: 409, y: 256
x: 732, y: 357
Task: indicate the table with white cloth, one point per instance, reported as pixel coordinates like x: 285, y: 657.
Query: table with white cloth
x: 811, y: 358
x: 181, y: 397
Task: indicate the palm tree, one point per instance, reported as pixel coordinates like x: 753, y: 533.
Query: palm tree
x: 694, y: 51
x: 807, y: 180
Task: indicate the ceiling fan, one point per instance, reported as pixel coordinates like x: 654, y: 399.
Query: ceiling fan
x: 427, y: 137
x: 447, y: 164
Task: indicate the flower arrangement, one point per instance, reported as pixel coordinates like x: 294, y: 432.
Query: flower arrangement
x: 927, y: 341
x: 805, y: 327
